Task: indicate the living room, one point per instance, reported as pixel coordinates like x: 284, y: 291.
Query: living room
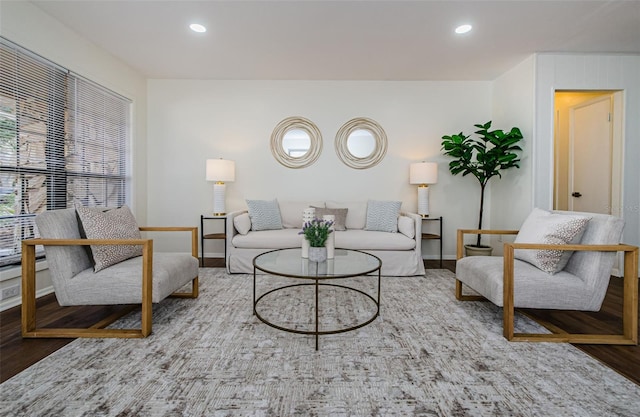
x: 180, y: 123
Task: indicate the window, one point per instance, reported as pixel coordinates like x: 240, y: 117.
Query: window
x: 63, y: 142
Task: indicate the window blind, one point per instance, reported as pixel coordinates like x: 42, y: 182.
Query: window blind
x: 63, y: 142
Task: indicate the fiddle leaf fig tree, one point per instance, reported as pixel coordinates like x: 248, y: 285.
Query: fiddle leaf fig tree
x: 483, y: 157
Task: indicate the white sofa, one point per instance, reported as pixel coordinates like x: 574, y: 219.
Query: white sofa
x: 400, y: 252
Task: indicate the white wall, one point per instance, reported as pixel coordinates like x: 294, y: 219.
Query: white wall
x: 589, y: 72
x: 26, y: 25
x: 191, y: 121
x: 512, y: 105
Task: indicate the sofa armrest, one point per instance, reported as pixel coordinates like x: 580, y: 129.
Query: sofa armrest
x: 417, y: 221
x: 231, y: 228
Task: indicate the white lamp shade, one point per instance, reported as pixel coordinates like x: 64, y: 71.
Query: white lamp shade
x: 221, y: 170
x: 423, y: 173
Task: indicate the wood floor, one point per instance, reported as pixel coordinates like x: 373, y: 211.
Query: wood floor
x: 17, y: 354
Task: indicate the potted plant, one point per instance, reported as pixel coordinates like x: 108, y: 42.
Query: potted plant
x: 316, y: 232
x: 484, y: 158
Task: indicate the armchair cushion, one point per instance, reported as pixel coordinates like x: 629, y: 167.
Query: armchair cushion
x: 112, y: 224
x: 549, y: 228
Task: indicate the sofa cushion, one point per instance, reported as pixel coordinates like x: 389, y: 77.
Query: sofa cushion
x: 269, y: 239
x: 291, y: 212
x: 371, y: 240
x: 113, y: 224
x: 264, y: 214
x: 356, y: 212
x: 340, y: 216
x: 382, y: 216
x: 242, y: 223
x: 542, y: 226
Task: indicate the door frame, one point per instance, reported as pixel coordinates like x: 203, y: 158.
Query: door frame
x: 572, y: 151
x: 617, y: 145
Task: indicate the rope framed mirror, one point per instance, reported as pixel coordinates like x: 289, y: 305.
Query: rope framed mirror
x: 361, y: 143
x: 296, y: 142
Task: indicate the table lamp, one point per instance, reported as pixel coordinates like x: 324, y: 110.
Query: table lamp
x: 220, y: 170
x: 423, y: 174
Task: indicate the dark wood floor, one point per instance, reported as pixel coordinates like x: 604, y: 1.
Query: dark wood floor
x: 17, y: 353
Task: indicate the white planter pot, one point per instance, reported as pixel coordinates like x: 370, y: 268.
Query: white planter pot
x: 318, y: 254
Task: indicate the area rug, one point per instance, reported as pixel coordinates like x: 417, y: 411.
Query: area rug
x: 426, y: 355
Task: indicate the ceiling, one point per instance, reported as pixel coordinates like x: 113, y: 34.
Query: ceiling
x: 345, y: 40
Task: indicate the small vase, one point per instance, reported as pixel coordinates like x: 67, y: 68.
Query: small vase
x: 305, y: 248
x: 318, y: 254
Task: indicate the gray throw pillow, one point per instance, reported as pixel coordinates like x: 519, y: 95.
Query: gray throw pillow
x: 542, y: 226
x: 340, y: 215
x: 382, y: 216
x: 112, y: 224
x: 264, y: 214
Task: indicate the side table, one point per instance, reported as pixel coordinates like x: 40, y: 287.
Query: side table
x: 203, y: 235
x: 434, y: 236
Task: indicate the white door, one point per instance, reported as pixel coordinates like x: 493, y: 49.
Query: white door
x: 590, y: 153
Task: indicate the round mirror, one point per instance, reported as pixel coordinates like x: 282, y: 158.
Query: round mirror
x: 361, y: 143
x: 296, y: 142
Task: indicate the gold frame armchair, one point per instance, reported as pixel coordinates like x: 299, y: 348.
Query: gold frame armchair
x: 511, y: 283
x: 142, y: 280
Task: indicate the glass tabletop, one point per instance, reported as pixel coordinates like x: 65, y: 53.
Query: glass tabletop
x: 290, y: 263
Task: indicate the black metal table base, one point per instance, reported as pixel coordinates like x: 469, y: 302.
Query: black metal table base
x: 317, y: 332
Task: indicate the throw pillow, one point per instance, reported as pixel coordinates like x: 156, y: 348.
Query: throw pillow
x: 407, y: 226
x: 382, y: 216
x: 112, y: 224
x: 264, y: 214
x: 242, y: 223
x: 339, y: 213
x: 542, y: 226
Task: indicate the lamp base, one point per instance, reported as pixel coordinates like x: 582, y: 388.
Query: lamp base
x: 423, y: 200
x: 218, y: 199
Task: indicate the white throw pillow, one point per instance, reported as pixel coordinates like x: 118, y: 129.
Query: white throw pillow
x: 549, y: 228
x: 382, y: 216
x: 264, y: 214
x: 113, y: 224
x: 407, y: 226
x: 242, y: 223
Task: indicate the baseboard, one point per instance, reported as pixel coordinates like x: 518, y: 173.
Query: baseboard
x: 16, y: 301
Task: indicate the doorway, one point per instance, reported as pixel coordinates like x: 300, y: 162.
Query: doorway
x: 588, y: 151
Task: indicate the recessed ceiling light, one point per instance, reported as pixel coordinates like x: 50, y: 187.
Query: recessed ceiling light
x: 197, y: 28
x: 463, y: 29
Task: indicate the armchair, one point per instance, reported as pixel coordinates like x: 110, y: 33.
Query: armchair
x: 512, y: 283
x: 141, y: 280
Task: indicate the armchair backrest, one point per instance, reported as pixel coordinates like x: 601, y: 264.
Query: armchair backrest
x: 64, y: 262
x: 594, y: 268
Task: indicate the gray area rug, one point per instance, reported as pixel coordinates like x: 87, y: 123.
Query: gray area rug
x: 426, y: 355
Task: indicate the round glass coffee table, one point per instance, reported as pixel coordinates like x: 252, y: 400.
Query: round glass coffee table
x: 289, y: 263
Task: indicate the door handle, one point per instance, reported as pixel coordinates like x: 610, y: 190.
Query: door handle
x: 576, y: 194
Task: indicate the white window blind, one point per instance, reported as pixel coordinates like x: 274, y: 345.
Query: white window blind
x: 63, y: 142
